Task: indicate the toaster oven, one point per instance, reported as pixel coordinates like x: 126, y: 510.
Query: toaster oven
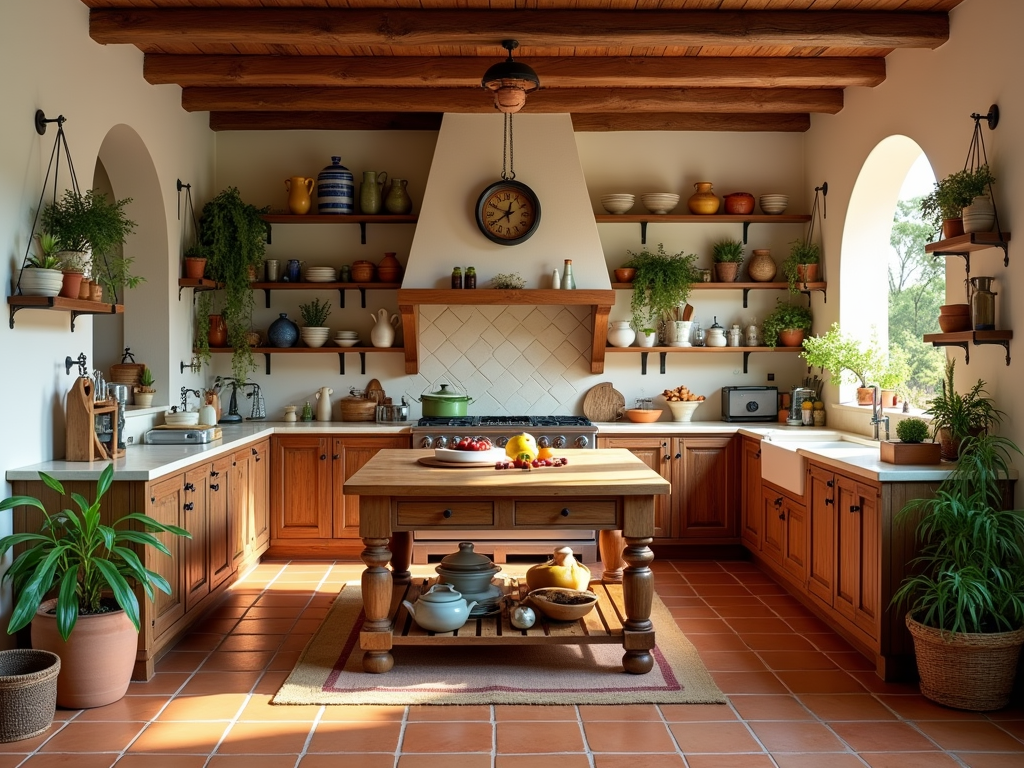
x: 750, y: 403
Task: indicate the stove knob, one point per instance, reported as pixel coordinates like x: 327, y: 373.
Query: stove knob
x: 441, y: 442
x: 582, y: 441
x: 455, y: 440
x: 426, y: 442
x: 560, y: 441
x: 543, y: 442
x: 501, y: 441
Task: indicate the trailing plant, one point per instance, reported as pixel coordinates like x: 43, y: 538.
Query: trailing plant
x: 962, y: 415
x: 508, y: 281
x: 81, y: 558
x: 727, y: 251
x: 951, y: 194
x: 233, y: 236
x: 912, y: 430
x: 785, y: 317
x: 662, y: 282
x: 836, y: 351
x: 800, y: 252
x: 314, y: 314
x: 969, y: 576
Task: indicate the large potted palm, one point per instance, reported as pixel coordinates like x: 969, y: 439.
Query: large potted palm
x: 76, y: 573
x: 965, y: 596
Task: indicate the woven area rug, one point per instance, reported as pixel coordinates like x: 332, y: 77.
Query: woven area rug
x: 330, y: 670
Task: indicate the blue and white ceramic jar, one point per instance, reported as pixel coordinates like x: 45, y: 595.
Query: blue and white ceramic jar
x: 335, y: 189
x: 283, y: 332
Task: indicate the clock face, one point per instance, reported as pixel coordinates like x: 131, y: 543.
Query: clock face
x: 508, y: 212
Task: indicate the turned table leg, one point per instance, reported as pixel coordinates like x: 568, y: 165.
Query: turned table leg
x: 375, y: 637
x: 401, y: 556
x: 609, y: 543
x: 638, y: 594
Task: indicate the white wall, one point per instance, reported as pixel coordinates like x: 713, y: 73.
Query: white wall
x: 53, y: 65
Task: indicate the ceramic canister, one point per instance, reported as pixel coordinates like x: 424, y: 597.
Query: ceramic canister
x: 283, y: 332
x: 335, y: 188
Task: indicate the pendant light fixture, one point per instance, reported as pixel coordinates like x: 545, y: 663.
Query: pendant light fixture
x: 510, y: 81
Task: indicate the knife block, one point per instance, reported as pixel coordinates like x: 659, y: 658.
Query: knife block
x: 80, y: 440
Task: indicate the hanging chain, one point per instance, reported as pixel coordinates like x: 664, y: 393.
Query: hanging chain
x: 508, y: 159
x: 977, y: 157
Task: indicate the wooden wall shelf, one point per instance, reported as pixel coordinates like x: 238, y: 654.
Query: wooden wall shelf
x: 964, y: 340
x: 75, y: 307
x: 807, y: 288
x: 643, y: 219
x: 324, y: 350
x: 664, y: 352
x: 965, y: 245
x: 362, y: 219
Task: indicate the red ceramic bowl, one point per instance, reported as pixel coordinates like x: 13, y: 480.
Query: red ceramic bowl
x: 739, y: 202
x: 955, y: 309
x: 954, y: 323
x: 625, y: 274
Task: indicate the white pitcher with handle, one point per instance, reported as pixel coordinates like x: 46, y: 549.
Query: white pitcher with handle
x: 383, y: 333
x: 323, y: 404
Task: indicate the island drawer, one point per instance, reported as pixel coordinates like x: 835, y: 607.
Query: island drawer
x: 566, y: 512
x: 440, y: 514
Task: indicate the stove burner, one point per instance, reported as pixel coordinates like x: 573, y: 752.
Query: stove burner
x: 507, y: 421
x: 458, y: 421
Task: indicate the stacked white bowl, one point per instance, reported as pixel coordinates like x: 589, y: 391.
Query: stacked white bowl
x: 321, y: 274
x: 660, y: 202
x: 314, y: 336
x: 346, y: 338
x: 774, y: 204
x: 181, y: 418
x: 617, y: 203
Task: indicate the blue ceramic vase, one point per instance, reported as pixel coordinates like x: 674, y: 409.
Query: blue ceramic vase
x: 335, y: 189
x: 283, y: 332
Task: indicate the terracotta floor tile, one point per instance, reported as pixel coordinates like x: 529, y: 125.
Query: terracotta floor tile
x: 820, y: 681
x: 873, y: 736
x: 851, y: 660
x: 692, y: 611
x: 259, y: 708
x: 846, y: 706
x: 265, y: 738
x: 694, y: 566
x: 822, y: 760
x: 251, y: 761
x: 796, y: 737
x: 767, y: 589
x: 362, y: 714
x: 295, y: 641
x: 292, y: 611
x: 533, y: 712
x: 11, y: 760
x: 162, y: 761
x: 671, y: 600
x: 361, y: 737
x: 629, y: 761
x: 94, y: 736
x: 239, y: 661
x: 829, y: 641
x: 284, y: 660
x: 160, y: 683
x: 477, y: 760
x: 136, y: 708
x: 713, y: 737
x: 872, y: 682
x: 216, y: 626
x: 808, y: 624
x: 595, y: 712
x: 771, y: 707
x: 970, y: 736
x: 225, y: 611
x: 990, y: 759
x: 633, y: 736
x: 461, y: 737
x: 306, y: 626
x: 759, y: 611
x: 748, y: 682
x: 69, y: 760
x: 716, y: 601
x: 789, y: 642
x: 220, y: 682
x: 732, y: 590
x: 727, y: 641
x: 909, y: 760
x: 702, y: 626
x: 251, y: 643
x: 686, y: 713
x: 679, y: 590
x: 173, y: 738
x: 795, y: 660
x: 199, y: 641
x: 711, y: 577
x: 529, y: 737
x: 917, y: 707
x: 263, y: 626
x: 729, y: 761
x: 471, y: 712
x: 351, y: 761
x: 211, y: 706
x: 1013, y: 727
x: 732, y: 661
x: 271, y: 682
x: 181, y: 661
x: 768, y: 626
x: 278, y: 599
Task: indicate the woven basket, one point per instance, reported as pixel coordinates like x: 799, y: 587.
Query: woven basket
x: 126, y: 373
x: 28, y: 692
x: 966, y: 670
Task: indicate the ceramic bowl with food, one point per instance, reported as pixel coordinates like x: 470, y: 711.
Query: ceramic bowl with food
x: 562, y: 604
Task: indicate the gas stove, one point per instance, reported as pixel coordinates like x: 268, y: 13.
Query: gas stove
x: 554, y: 431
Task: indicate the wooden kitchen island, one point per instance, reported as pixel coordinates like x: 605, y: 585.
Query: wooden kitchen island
x: 607, y: 489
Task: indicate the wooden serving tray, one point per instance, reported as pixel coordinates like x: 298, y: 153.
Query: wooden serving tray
x: 430, y: 461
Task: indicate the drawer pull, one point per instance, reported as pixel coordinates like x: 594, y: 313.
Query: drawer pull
x: 447, y: 514
x: 214, y: 486
x: 323, y: 457
x: 782, y: 515
x: 758, y: 454
x: 190, y: 486
x: 855, y: 507
x: 830, y: 501
x: 668, y: 457
x: 190, y: 506
x: 778, y: 502
x: 679, y: 455
x: 214, y: 473
x: 565, y: 511
x: 831, y: 483
x: 336, y: 456
x: 254, y: 452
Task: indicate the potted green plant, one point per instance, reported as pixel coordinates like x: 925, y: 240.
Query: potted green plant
x: 42, y: 275
x: 786, y: 324
x: 891, y: 378
x: 90, y: 566
x: 912, y: 447
x: 956, y: 417
x: 946, y: 201
x: 314, y: 315
x: 96, y: 228
x: 145, y: 391
x: 661, y: 283
x: 233, y: 236
x: 195, y: 261
x: 727, y: 255
x: 801, y: 266
x: 836, y: 352
x: 965, y: 594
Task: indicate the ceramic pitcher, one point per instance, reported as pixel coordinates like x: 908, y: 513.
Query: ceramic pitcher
x: 371, y: 191
x: 299, y: 189
x: 323, y: 404
x: 383, y: 333
x: 398, y: 200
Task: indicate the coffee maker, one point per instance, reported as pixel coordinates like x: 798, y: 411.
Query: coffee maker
x: 797, y: 398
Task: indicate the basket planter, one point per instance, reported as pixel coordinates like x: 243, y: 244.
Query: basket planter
x: 966, y: 670
x: 28, y: 693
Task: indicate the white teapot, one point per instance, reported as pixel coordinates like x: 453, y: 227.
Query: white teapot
x: 440, y: 609
x: 383, y: 333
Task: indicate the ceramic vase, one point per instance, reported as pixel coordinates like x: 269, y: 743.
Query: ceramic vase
x: 620, y: 334
x: 283, y: 332
x: 390, y: 269
x: 762, y: 267
x: 40, y: 282
x: 299, y: 189
x: 398, y: 200
x: 218, y: 334
x: 704, y: 201
x: 383, y: 333
x: 371, y: 191
x: 980, y: 215
x: 334, y: 188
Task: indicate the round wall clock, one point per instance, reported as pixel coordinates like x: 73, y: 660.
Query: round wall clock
x: 508, y: 212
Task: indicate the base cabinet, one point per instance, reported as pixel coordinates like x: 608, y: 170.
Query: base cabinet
x: 751, y: 509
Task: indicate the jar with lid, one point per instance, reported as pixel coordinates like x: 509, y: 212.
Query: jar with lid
x: 753, y: 337
x: 735, y: 336
x: 470, y: 277
x: 457, y: 277
x: 307, y: 412
x: 698, y: 334
x: 716, y: 335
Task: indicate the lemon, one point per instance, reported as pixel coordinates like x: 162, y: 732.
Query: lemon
x: 819, y: 405
x: 806, y: 405
x: 522, y: 446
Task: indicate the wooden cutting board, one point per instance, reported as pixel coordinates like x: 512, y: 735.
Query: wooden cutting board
x: 604, y: 403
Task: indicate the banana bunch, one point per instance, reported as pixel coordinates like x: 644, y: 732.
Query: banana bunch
x: 681, y: 394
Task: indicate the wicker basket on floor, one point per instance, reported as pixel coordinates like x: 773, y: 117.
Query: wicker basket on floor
x: 28, y: 692
x: 966, y: 670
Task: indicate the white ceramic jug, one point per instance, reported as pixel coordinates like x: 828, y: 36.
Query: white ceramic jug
x: 383, y: 333
x: 323, y: 404
x: 620, y: 334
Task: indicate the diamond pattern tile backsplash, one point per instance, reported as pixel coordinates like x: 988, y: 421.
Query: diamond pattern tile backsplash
x: 512, y: 360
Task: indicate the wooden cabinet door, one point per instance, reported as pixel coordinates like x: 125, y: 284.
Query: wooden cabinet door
x: 259, y: 478
x: 166, y: 499
x: 857, y: 592
x: 218, y: 521
x: 197, y: 549
x: 706, y: 488
x: 773, y: 527
x: 300, y: 488
x: 238, y: 508
x: 794, y: 541
x: 655, y: 452
x: 821, y: 523
x: 348, y: 454
x: 752, y: 510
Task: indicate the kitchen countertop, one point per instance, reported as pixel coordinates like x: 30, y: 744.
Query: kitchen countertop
x: 150, y: 462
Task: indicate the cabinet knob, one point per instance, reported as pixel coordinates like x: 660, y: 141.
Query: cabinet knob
x: 679, y: 455
x: 782, y: 515
x: 258, y: 457
x: 152, y: 499
x: 214, y: 473
x: 831, y: 483
x: 189, y: 507
x: 254, y: 452
x: 855, y: 507
x: 214, y: 486
x: 446, y: 514
x: 336, y: 456
x: 830, y: 501
x: 778, y: 502
x: 668, y: 457
x: 565, y: 511
x: 190, y: 486
x: 758, y: 454
x: 323, y: 457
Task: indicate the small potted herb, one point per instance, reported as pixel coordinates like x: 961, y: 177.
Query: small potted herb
x: 314, y: 315
x: 912, y: 447
x: 42, y: 275
x: 727, y: 255
x: 786, y: 325
x: 145, y: 391
x: 801, y: 266
x: 508, y: 281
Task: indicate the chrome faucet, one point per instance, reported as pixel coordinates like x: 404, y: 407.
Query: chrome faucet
x: 878, y: 411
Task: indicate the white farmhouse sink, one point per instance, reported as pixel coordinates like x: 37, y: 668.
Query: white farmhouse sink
x: 783, y: 466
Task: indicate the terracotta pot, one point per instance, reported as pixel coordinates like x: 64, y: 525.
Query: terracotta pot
x: 390, y: 269
x: 793, y: 337
x: 952, y: 228
x: 72, y: 285
x: 865, y: 395
x: 807, y: 273
x: 85, y: 289
x: 97, y: 660
x: 704, y: 201
x: 726, y: 271
x: 96, y: 292
x: 739, y: 202
x: 195, y: 267
x: 218, y: 335
x: 888, y: 398
x: 762, y: 267
x: 950, y: 446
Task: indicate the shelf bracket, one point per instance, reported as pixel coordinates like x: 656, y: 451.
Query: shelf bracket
x: 74, y: 316
x: 266, y: 358
x: 663, y: 356
x: 643, y: 363
x: 362, y: 232
x: 341, y: 298
x: 746, y: 291
x: 962, y: 344
x: 746, y: 357
x: 362, y: 297
x: 643, y: 233
x: 1006, y: 347
x: 362, y: 363
x: 14, y: 311
x: 746, y: 224
x: 266, y: 295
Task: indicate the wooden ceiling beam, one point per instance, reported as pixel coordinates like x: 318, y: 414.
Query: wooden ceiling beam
x: 560, y: 72
x: 566, y: 28
x: 683, y: 121
x: 744, y: 100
